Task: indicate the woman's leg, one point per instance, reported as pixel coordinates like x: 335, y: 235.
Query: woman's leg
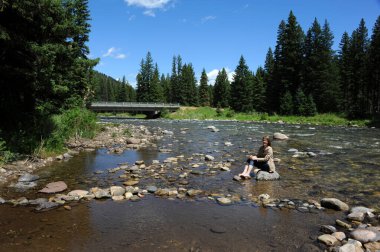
x: 247, y: 174
x: 245, y: 171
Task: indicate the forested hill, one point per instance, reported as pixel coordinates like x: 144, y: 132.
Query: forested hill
x: 107, y: 88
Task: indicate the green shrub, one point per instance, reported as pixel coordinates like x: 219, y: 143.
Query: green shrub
x: 75, y: 122
x: 264, y: 116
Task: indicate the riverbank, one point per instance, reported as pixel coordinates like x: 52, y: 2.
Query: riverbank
x: 207, y: 113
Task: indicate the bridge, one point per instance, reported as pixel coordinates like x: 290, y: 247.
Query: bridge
x: 150, y: 109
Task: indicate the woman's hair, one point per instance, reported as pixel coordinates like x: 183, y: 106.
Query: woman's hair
x: 268, y: 140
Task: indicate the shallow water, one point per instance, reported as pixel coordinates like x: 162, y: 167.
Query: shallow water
x: 347, y: 166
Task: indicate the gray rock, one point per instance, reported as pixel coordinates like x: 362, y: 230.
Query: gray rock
x: 224, y: 201
x: 328, y: 229
x: 280, y: 136
x: 292, y: 150
x: 38, y: 201
x: 339, y: 235
x: 27, y: 177
x: 343, y: 224
x: 135, y: 198
x: 335, y: 204
x: 209, y: 158
x: 67, y: 156
x: 117, y: 191
x: 364, y: 235
x: 327, y: 239
x: 162, y: 192
x: 356, y: 216
x: 311, y: 154
x: 196, y: 172
x: 24, y: 185
x: 361, y: 209
x: 132, y: 140
x: 193, y: 192
x: 117, y: 198
x: 2, y: 201
x: 151, y: 189
x: 263, y: 175
x: 372, y: 246
x: 78, y: 193
x: 45, y: 206
x: 168, y: 132
x: 128, y: 195
x: 101, y: 193
x: 348, y: 248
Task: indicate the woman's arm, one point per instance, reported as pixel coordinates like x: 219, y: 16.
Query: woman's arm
x: 268, y: 156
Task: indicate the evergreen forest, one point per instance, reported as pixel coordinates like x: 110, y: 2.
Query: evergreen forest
x: 45, y: 72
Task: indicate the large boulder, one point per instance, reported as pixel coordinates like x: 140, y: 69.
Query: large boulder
x: 263, y: 175
x: 280, y: 136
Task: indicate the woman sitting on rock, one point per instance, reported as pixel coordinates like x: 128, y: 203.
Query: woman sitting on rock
x: 263, y: 161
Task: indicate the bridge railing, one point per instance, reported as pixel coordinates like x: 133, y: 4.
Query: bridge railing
x: 134, y: 104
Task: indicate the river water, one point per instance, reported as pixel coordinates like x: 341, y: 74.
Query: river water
x: 346, y: 166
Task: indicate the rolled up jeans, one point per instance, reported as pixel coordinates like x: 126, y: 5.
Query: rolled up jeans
x: 261, y: 165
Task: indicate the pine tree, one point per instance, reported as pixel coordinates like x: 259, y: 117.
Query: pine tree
x: 165, y: 86
x: 144, y: 79
x: 268, y: 80
x: 259, y: 87
x: 286, y: 107
x: 156, y: 92
x: 358, y: 58
x: 320, y: 76
x: 204, y: 98
x: 189, y: 86
x: 345, y: 71
x: 374, y: 71
x: 241, y: 88
x: 221, y: 90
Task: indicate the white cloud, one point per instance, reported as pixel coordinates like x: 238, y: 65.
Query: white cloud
x: 149, y: 4
x: 211, y: 76
x: 133, y: 17
x: 208, y: 18
x: 109, y: 52
x: 149, y: 13
x: 114, y: 53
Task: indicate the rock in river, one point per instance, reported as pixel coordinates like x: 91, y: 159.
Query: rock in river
x: 54, y: 187
x: 224, y: 201
x: 363, y: 235
x: 27, y: 177
x: 335, y: 204
x: 280, y: 136
x: 263, y: 175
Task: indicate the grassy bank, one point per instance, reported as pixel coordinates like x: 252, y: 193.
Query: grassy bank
x: 122, y: 115
x: 56, y: 130
x: 203, y: 113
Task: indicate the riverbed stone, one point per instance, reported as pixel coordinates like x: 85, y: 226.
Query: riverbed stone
x: 209, y: 158
x: 372, y: 246
x: 361, y: 209
x: 340, y: 236
x: 224, y: 201
x: 328, y: 229
x: 237, y: 178
x: 38, y: 201
x: 2, y: 201
x: 131, y: 182
x: 162, y: 192
x: 333, y: 203
x: 263, y: 175
x: 356, y: 216
x: 25, y: 185
x: 78, y: 193
x: 45, y: 206
x: 132, y: 140
x: 27, y: 177
x: 343, y: 224
x: 348, y: 248
x: 67, y: 156
x: 54, y: 187
x: 151, y: 189
x: 101, y: 193
x: 117, y: 190
x: 128, y: 195
x: 363, y: 235
x: 327, y: 239
x: 193, y: 192
x: 280, y: 136
x: 117, y: 198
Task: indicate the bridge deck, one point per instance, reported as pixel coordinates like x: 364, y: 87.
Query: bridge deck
x: 132, y: 107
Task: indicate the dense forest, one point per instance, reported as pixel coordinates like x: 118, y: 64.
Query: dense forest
x: 302, y: 76
x: 45, y: 71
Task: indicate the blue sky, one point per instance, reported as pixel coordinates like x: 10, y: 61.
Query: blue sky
x: 210, y: 34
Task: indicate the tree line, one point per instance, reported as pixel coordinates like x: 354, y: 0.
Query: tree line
x: 303, y: 75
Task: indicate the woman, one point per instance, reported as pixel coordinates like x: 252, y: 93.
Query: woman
x: 263, y: 161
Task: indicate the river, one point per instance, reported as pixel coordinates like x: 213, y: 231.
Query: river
x: 346, y: 165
